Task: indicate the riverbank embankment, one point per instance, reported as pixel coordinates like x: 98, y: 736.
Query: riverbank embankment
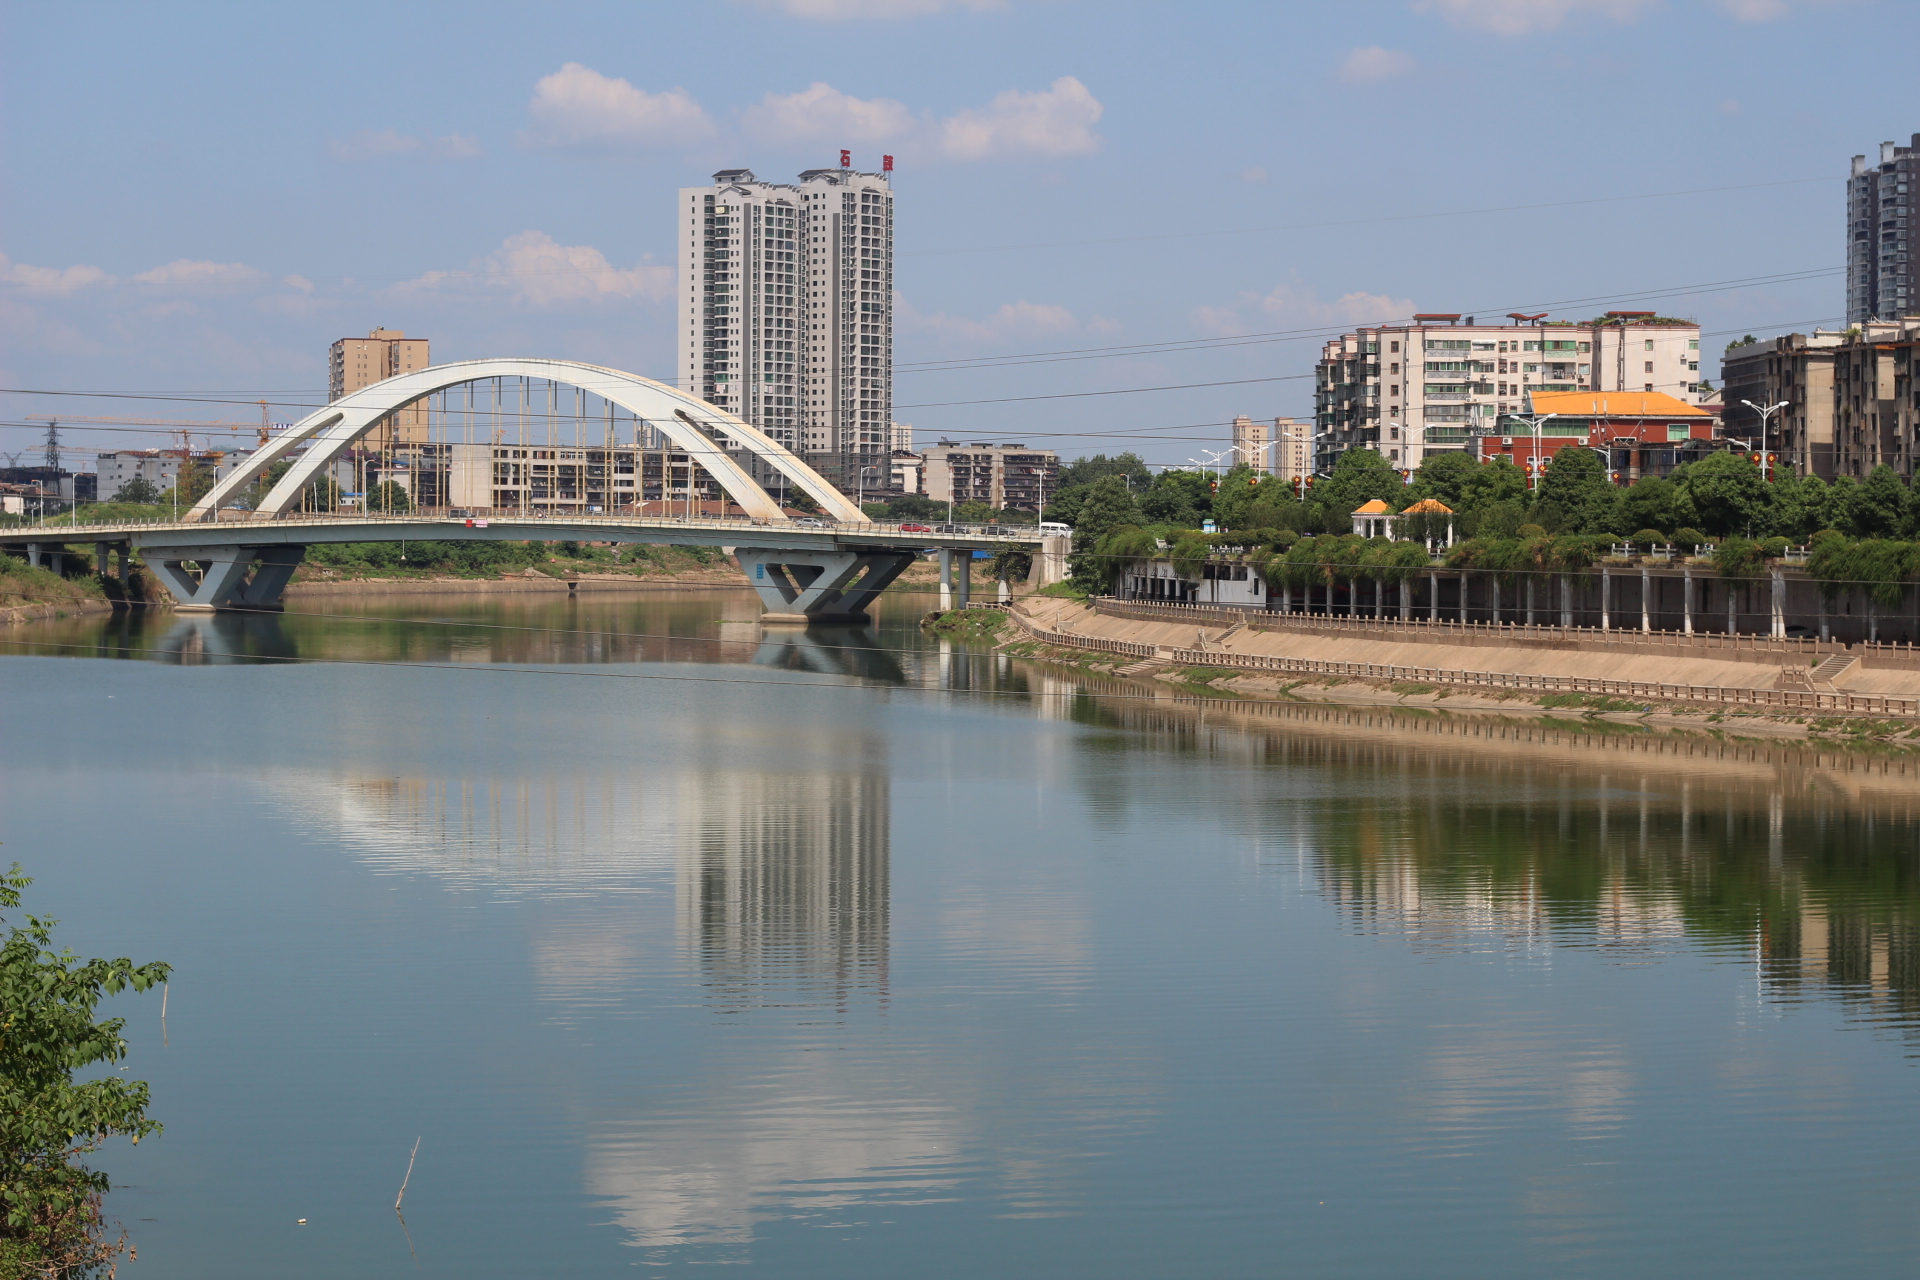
x: 1768, y: 690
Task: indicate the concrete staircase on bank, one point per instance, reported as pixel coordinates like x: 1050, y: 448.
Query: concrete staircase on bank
x: 1820, y: 679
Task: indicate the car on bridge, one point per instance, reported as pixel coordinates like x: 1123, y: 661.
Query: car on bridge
x: 916, y: 528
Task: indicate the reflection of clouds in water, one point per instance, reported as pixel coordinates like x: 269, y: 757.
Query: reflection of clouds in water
x: 813, y: 1135
x: 826, y: 1138
x: 552, y: 836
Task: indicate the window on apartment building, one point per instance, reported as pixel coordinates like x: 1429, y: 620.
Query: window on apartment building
x: 1649, y: 366
x: 1394, y: 347
x: 1649, y: 344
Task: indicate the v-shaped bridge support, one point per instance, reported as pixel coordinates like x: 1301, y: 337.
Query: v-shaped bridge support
x: 820, y: 586
x: 239, y: 578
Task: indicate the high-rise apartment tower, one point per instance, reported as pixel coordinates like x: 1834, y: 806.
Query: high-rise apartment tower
x: 1881, y: 281
x: 353, y: 363
x: 786, y: 306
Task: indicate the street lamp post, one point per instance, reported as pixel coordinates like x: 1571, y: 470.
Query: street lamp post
x: 1533, y: 462
x: 1766, y: 416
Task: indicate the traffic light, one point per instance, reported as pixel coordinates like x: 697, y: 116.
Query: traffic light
x: 1253, y: 482
x: 1213, y: 486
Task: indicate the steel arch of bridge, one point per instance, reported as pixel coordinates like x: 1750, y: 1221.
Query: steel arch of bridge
x: 680, y: 417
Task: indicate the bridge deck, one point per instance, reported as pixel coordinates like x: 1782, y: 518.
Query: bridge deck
x: 236, y: 529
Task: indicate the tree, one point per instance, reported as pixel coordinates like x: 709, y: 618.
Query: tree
x: 54, y: 1224
x: 1106, y: 507
x: 138, y: 489
x: 1576, y: 495
x: 1799, y: 506
x: 1496, y: 481
x: 1446, y: 477
x: 1181, y: 498
x: 1878, y: 508
x: 1358, y: 477
x: 1239, y: 490
x: 1728, y: 494
x: 390, y: 496
x: 1652, y: 503
x: 191, y: 482
x: 1127, y: 466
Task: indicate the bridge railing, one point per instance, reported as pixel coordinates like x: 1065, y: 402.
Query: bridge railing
x: 85, y: 530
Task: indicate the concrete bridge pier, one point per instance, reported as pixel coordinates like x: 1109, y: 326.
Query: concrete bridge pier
x: 249, y: 579
x: 809, y: 587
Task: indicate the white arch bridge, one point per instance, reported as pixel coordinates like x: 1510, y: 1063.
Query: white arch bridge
x: 826, y: 570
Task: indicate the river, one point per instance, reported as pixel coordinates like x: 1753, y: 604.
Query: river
x: 676, y: 942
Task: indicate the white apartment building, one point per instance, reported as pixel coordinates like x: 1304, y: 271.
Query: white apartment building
x: 158, y: 467
x: 1439, y: 381
x: 786, y: 310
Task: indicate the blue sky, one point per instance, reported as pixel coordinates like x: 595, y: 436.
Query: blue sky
x: 199, y: 198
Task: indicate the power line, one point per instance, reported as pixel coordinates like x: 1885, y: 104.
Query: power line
x: 1362, y: 222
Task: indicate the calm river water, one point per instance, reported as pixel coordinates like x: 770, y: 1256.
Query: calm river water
x: 846, y: 955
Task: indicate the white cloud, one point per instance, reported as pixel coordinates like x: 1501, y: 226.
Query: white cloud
x: 1374, y: 63
x: 301, y: 283
x: 1756, y: 10
x: 201, y: 276
x: 578, y: 107
x: 1729, y: 106
x: 56, y: 281
x: 533, y: 269
x: 1020, y: 319
x: 821, y: 112
x: 1254, y: 174
x: 1056, y: 121
x: 844, y: 10
x: 1293, y: 305
x: 1523, y: 17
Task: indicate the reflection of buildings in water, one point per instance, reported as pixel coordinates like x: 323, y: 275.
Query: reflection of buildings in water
x: 783, y: 886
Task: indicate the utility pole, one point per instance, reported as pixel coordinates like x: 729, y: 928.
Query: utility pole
x: 53, y: 444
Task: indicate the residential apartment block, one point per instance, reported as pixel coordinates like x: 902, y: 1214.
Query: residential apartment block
x: 353, y: 363
x: 1876, y: 407
x: 1283, y: 447
x: 1442, y: 380
x: 1252, y: 444
x: 1851, y: 398
x: 1000, y: 475
x: 159, y: 467
x: 1795, y: 369
x: 786, y: 312
x: 1881, y: 281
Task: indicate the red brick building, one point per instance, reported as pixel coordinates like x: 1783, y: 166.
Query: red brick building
x: 1641, y: 433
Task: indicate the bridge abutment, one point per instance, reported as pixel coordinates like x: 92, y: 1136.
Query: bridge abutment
x: 818, y: 587
x: 241, y: 579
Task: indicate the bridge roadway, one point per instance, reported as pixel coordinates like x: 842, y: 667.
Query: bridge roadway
x: 805, y: 572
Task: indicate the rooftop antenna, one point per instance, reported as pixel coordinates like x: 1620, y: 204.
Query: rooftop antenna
x: 53, y: 443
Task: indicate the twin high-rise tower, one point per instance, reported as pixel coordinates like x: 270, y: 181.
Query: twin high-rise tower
x: 786, y: 307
